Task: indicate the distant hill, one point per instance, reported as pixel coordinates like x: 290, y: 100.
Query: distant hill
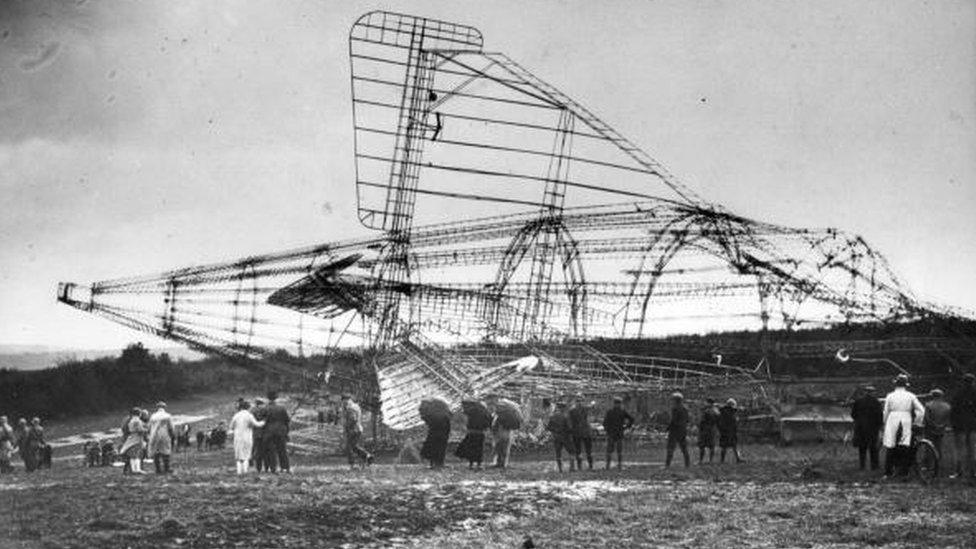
x: 38, y: 357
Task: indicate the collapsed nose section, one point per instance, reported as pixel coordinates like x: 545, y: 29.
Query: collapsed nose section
x: 77, y: 296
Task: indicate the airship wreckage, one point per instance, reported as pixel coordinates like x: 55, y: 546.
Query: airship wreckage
x: 513, y: 230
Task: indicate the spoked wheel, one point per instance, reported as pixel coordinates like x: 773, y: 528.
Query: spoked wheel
x: 927, y: 461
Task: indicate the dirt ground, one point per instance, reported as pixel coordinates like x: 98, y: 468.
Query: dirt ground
x: 792, y: 497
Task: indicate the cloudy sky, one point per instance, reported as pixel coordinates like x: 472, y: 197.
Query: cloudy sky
x: 138, y: 137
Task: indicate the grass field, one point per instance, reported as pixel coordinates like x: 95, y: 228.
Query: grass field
x: 793, y: 497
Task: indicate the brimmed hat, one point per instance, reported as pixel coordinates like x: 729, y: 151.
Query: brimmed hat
x: 901, y: 380
x: 618, y: 399
x: 160, y: 404
x: 678, y: 396
x: 937, y: 392
x: 731, y: 403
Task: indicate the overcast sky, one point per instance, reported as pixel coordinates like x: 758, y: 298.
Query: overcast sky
x: 138, y: 137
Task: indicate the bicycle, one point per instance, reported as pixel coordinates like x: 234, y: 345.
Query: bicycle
x: 925, y: 457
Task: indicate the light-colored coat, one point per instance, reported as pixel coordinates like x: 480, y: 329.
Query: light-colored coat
x: 133, y: 443
x: 242, y: 426
x: 899, y: 407
x: 161, y: 433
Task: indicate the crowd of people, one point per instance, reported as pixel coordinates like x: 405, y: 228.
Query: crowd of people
x: 572, y: 431
x: 25, y: 440
x: 901, y: 419
x: 260, y: 432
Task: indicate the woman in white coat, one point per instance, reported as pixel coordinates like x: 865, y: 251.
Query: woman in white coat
x: 134, y: 432
x: 242, y: 426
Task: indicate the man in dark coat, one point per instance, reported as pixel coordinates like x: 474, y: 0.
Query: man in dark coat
x: 938, y: 414
x: 37, y: 446
x: 276, y: 435
x: 30, y: 463
x: 260, y: 413
x: 579, y: 420
x: 562, y: 436
x: 963, y: 420
x: 615, y: 422
x: 728, y: 430
x: 707, y: 430
x: 868, y: 416
x: 678, y: 430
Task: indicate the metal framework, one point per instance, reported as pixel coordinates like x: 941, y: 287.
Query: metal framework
x: 511, y: 223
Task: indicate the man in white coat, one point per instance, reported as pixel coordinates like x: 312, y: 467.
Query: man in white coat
x: 901, y: 409
x: 161, y: 437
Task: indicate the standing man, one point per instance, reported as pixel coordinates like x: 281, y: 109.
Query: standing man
x: 868, y: 415
x: 30, y: 462
x: 353, y: 429
x: 161, y: 437
x: 579, y: 419
x: 938, y: 414
x: 257, y: 449
x: 615, y: 422
x: 901, y: 409
x: 963, y: 420
x: 36, y: 444
x: 508, y: 418
x: 678, y: 430
x: 562, y: 438
x: 707, y: 430
x: 728, y: 430
x: 6, y: 445
x: 276, y: 435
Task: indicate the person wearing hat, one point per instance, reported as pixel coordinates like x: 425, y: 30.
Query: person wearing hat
x: 562, y: 438
x: 161, y: 438
x: 901, y: 409
x: 868, y: 416
x: 133, y: 430
x: 678, y: 430
x: 963, y: 420
x: 707, y: 430
x: 937, y: 418
x: 276, y: 426
x: 615, y: 422
x: 728, y: 430
x: 353, y: 429
x: 6, y: 445
x: 20, y: 434
x: 579, y: 420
